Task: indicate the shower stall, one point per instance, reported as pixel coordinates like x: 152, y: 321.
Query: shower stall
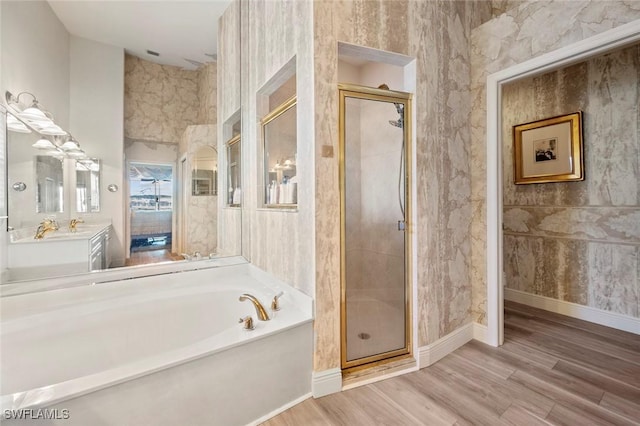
x: 375, y: 229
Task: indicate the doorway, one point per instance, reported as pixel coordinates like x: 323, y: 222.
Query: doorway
x: 618, y: 37
x: 151, y: 209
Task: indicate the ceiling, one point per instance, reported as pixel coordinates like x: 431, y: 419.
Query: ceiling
x: 179, y: 30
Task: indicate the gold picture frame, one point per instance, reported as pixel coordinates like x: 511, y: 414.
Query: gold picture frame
x: 549, y: 150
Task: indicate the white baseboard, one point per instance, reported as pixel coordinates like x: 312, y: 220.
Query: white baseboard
x: 279, y: 410
x: 586, y: 313
x: 480, y: 332
x: 442, y: 347
x: 326, y: 382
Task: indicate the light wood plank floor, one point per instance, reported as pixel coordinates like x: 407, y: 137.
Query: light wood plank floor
x: 152, y: 256
x: 552, y: 369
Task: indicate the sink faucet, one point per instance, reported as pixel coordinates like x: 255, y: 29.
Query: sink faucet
x: 73, y: 223
x: 44, y: 227
x: 260, y: 310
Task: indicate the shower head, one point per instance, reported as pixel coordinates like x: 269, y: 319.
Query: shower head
x: 399, y: 109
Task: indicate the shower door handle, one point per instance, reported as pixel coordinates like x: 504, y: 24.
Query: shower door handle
x: 401, y: 225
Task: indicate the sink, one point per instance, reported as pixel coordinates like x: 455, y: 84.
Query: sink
x: 83, y: 233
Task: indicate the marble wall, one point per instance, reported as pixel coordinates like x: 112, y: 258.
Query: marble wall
x: 437, y: 35
x: 579, y: 241
x: 160, y: 100
x: 509, y: 39
x: 280, y: 241
x: 201, y: 212
x: 207, y: 93
x: 228, y: 113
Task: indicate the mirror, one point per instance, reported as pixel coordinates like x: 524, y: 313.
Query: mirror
x: 234, y: 194
x: 280, y: 147
x: 49, y: 184
x: 156, y: 124
x: 204, y: 176
x: 88, y: 185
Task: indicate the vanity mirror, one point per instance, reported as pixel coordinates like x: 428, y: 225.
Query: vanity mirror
x: 49, y: 184
x: 88, y: 185
x: 87, y: 194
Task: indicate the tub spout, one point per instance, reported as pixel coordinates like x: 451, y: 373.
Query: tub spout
x: 260, y: 310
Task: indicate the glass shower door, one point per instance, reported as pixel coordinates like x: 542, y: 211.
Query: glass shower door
x: 375, y: 295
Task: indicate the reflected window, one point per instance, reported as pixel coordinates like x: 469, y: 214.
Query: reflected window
x: 151, y: 187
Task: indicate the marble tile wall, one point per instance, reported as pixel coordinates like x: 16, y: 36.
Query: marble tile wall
x: 228, y: 112
x: 437, y: 35
x: 207, y: 93
x: 579, y: 241
x: 160, y: 100
x: 374, y: 246
x: 509, y: 39
x: 228, y: 63
x: 498, y: 7
x: 201, y: 211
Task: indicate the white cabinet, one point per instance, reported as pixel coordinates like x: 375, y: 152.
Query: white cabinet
x: 99, y: 257
x: 60, y: 253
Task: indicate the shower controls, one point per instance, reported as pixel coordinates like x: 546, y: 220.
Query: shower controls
x: 401, y: 225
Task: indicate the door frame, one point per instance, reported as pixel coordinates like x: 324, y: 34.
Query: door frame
x: 615, y: 38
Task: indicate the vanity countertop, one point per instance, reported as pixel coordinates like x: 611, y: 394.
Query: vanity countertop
x: 83, y: 232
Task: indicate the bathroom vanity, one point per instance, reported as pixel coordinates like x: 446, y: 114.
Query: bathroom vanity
x: 59, y: 252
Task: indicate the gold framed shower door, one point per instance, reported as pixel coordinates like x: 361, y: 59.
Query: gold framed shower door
x: 390, y: 96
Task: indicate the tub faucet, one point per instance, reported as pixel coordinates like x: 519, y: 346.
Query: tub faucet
x: 44, y: 227
x: 260, y: 310
x: 73, y: 223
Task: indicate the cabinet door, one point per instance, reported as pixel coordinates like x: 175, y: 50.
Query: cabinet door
x: 96, y: 260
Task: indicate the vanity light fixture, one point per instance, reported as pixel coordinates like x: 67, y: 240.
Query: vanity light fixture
x: 44, y: 144
x: 53, y: 130
x: 15, y: 125
x: 23, y: 118
x: 70, y: 145
x: 31, y: 114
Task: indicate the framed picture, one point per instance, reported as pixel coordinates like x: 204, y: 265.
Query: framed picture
x: 549, y: 150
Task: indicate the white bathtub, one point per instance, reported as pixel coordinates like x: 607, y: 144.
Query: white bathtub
x: 157, y: 350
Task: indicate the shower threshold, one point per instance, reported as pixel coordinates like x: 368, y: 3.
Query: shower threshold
x: 376, y: 371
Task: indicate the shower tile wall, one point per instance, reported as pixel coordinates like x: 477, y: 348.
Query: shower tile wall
x: 512, y: 38
x: 579, y: 241
x: 374, y: 246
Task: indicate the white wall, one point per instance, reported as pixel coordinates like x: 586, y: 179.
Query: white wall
x: 97, y: 121
x: 81, y: 83
x: 35, y: 48
x: 3, y: 189
x: 35, y: 52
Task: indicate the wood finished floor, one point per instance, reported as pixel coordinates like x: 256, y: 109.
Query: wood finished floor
x: 552, y: 369
x: 152, y: 256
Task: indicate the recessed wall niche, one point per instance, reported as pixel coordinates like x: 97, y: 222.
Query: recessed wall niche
x: 277, y: 108
x: 233, y: 148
